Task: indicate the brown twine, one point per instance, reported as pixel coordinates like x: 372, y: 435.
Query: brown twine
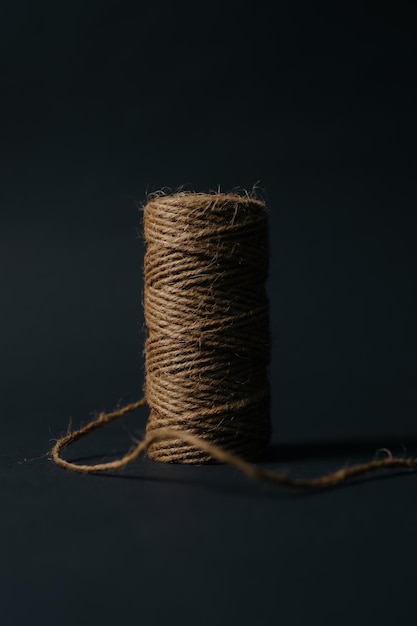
x: 207, y: 348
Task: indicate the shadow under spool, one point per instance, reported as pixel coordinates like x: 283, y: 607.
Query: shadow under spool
x: 207, y: 347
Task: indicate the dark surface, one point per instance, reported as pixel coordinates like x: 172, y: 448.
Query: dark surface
x: 101, y: 102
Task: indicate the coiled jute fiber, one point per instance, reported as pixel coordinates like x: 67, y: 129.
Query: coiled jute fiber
x: 207, y: 348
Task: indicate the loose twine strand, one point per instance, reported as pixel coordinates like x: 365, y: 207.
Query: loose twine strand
x: 207, y: 348
x: 222, y: 456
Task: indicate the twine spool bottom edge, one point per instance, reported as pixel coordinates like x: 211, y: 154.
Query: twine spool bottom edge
x: 170, y: 453
x: 250, y: 446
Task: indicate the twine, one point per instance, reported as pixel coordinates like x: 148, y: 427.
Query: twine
x: 207, y: 347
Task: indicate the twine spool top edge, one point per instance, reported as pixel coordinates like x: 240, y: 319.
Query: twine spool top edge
x: 187, y: 199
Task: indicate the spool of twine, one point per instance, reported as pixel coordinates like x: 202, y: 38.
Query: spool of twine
x: 206, y: 310
x: 207, y: 347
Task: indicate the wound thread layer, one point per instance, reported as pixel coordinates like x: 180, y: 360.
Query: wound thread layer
x: 207, y: 348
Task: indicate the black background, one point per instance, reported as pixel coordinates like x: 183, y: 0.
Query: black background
x: 102, y: 102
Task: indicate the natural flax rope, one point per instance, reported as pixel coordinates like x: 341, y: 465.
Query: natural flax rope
x: 207, y: 348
